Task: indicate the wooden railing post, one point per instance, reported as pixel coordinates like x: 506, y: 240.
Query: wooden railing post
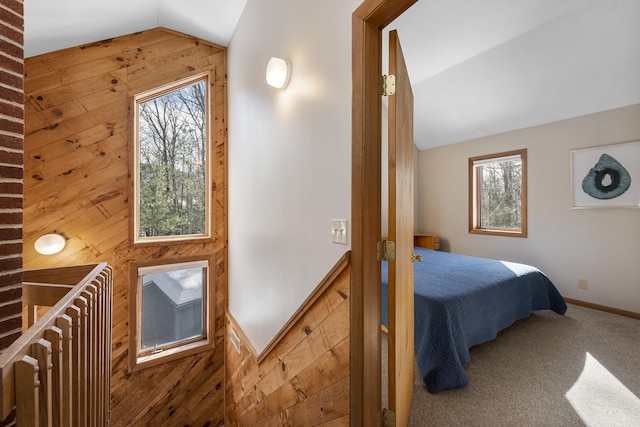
x: 41, y: 351
x: 64, y: 322
x: 107, y: 274
x: 92, y: 355
x: 101, y: 345
x: 31, y: 315
x: 81, y: 303
x: 54, y: 336
x: 27, y: 385
x: 74, y: 313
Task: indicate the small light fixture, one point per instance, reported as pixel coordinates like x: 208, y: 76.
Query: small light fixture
x: 277, y: 72
x: 50, y: 244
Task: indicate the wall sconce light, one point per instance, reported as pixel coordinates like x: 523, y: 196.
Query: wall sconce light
x: 278, y: 72
x: 50, y: 244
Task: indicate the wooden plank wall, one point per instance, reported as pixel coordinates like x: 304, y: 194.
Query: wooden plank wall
x: 304, y: 380
x: 76, y: 183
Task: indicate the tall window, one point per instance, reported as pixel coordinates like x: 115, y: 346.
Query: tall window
x: 498, y: 194
x: 171, y: 162
x: 171, y: 310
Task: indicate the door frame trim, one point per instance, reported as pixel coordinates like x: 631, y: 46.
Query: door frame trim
x: 368, y: 20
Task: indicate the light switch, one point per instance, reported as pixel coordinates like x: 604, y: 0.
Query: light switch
x: 339, y: 231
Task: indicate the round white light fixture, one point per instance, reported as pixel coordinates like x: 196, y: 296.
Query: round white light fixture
x: 277, y: 72
x: 50, y: 244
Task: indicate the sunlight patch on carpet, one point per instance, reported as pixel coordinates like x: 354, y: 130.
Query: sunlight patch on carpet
x: 600, y: 399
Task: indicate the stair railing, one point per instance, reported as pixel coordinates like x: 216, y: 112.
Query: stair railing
x: 58, y: 372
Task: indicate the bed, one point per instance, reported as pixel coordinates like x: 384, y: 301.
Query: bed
x: 462, y: 301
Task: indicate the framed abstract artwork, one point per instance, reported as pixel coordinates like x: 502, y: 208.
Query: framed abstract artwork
x: 606, y: 176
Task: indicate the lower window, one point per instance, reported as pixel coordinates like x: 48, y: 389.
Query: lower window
x: 171, y: 313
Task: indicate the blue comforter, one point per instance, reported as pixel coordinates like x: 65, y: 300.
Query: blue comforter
x: 461, y: 301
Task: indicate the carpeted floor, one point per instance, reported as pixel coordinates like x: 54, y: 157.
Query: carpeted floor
x: 581, y: 369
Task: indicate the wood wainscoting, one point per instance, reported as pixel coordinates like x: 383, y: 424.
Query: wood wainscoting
x: 78, y: 129
x: 304, y: 378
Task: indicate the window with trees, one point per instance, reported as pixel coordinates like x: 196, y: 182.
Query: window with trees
x: 171, y: 162
x: 172, y: 311
x: 498, y: 194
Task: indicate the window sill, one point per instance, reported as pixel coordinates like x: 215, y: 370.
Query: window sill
x: 173, y: 240
x: 164, y: 356
x: 498, y: 232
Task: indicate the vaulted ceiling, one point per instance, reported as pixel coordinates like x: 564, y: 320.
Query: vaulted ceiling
x: 478, y: 67
x: 53, y: 25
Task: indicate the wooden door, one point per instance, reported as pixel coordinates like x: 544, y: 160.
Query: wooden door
x: 401, y: 338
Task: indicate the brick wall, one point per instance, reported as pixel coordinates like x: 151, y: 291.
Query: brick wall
x: 11, y: 167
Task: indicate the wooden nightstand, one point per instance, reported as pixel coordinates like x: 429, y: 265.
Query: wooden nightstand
x: 428, y: 241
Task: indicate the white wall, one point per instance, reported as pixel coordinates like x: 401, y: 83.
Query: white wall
x: 600, y: 245
x: 289, y: 157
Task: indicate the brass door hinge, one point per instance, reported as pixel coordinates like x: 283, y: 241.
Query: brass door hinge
x: 386, y: 418
x: 387, y: 85
x: 386, y: 250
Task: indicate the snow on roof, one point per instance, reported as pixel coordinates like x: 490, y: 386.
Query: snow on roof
x: 181, y: 286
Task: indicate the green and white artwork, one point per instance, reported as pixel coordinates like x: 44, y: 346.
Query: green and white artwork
x: 606, y: 176
x: 607, y: 179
